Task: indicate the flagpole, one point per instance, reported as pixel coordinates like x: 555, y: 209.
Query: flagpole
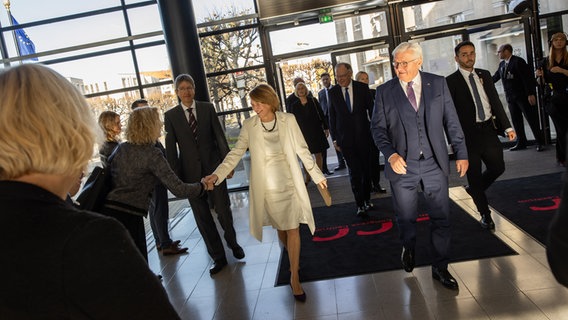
x: 7, y: 6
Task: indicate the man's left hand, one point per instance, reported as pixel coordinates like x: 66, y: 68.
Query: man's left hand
x: 461, y: 166
x: 532, y: 100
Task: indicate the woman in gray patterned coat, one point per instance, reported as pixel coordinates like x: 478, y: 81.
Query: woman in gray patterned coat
x: 135, y: 170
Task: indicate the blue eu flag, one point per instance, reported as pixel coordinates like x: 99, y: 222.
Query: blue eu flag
x: 25, y: 45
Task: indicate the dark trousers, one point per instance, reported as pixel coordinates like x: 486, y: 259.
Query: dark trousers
x: 135, y: 226
x: 559, y: 115
x: 324, y: 161
x: 357, y: 159
x: 159, y: 214
x: 206, y: 224
x: 519, y: 107
x: 485, y: 148
x: 425, y: 174
x: 375, y: 164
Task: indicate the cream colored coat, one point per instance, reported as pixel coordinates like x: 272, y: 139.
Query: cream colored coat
x: 293, y: 145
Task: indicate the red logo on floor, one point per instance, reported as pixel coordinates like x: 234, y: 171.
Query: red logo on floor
x: 551, y: 203
x: 341, y: 231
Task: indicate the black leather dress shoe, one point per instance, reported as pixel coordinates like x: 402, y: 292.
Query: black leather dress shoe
x: 217, y: 266
x: 539, y: 148
x: 369, y: 205
x: 518, y: 147
x: 362, y: 212
x: 340, y: 167
x: 379, y: 189
x: 327, y: 172
x: 238, y: 252
x: 487, y: 222
x: 445, y: 278
x: 407, y: 259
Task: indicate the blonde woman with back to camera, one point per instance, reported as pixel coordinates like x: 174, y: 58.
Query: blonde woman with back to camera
x: 60, y: 262
x: 136, y: 168
x: 278, y: 195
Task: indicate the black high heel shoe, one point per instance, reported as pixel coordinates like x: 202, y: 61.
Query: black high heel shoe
x: 299, y: 297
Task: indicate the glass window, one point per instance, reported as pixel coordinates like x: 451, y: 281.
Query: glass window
x: 548, y: 6
x: 27, y: 11
x: 438, y: 55
x: 231, y: 50
x: 154, y: 64
x: 215, y: 10
x: 74, y: 32
x: 328, y: 34
x: 376, y: 62
x: 309, y: 69
x: 144, y: 19
x: 440, y: 13
x: 99, y: 74
x: 230, y: 92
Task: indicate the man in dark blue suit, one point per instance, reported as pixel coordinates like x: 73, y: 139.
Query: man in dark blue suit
x: 349, y: 105
x: 322, y: 97
x: 411, y: 116
x: 480, y: 112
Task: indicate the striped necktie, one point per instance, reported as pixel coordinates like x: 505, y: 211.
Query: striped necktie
x: 192, y: 123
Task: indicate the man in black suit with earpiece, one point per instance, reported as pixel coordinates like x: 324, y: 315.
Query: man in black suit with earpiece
x: 520, y: 89
x: 477, y: 102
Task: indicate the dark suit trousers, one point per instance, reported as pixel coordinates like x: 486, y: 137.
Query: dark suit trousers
x: 484, y: 147
x: 375, y: 164
x: 206, y: 223
x: 357, y: 159
x: 519, y: 107
x: 159, y: 214
x: 428, y: 175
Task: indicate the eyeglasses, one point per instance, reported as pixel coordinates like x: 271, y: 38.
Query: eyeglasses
x: 183, y: 89
x: 403, y: 64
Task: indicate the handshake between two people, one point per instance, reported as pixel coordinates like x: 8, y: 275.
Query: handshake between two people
x: 209, y: 181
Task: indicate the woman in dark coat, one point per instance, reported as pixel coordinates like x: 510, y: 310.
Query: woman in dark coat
x: 554, y: 73
x: 310, y: 118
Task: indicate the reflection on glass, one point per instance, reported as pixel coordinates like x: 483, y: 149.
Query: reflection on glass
x: 315, y: 36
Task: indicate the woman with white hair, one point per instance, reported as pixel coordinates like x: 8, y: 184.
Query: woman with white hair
x: 60, y: 262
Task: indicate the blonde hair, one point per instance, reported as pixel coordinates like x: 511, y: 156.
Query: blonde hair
x: 46, y: 125
x: 552, y: 54
x: 264, y: 93
x: 107, y: 122
x: 144, y: 126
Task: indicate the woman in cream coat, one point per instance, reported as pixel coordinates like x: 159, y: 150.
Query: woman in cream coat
x: 278, y: 195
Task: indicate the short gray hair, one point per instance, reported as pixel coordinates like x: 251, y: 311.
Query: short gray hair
x: 414, y: 47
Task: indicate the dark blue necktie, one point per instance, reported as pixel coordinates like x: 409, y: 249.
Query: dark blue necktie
x: 348, y: 99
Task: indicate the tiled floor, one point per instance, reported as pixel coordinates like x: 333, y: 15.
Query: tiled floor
x: 513, y: 287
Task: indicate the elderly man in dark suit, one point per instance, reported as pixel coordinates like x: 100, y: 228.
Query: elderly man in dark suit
x: 349, y: 105
x: 480, y: 112
x: 322, y: 97
x: 412, y: 115
x: 192, y: 127
x: 520, y: 89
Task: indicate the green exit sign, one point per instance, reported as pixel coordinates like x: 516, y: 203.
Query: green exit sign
x: 325, y: 18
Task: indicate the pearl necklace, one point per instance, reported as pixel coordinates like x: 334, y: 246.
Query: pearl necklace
x: 273, y: 127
